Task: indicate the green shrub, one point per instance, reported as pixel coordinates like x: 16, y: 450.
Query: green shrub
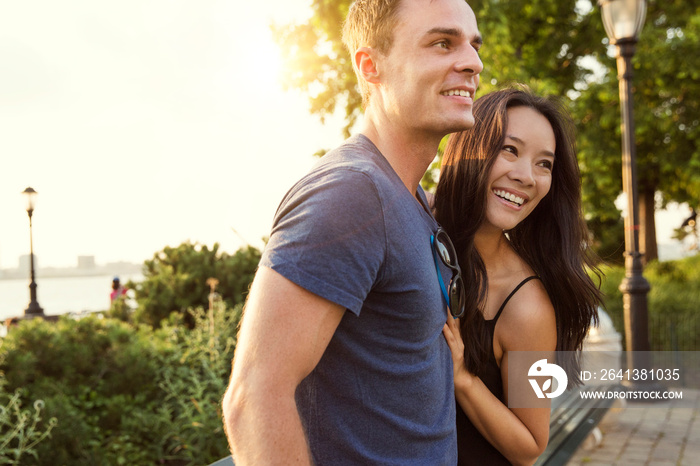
x: 194, y: 381
x: 125, y: 394
x: 673, y: 300
x: 94, y: 375
x: 175, y: 280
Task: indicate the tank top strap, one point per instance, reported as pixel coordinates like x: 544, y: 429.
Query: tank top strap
x: 498, y: 314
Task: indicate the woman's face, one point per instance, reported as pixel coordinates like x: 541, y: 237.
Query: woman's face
x: 522, y: 173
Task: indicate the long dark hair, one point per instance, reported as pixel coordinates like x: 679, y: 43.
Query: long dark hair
x: 553, y: 239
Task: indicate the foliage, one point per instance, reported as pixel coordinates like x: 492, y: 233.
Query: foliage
x: 194, y: 379
x: 129, y: 393
x: 19, y: 429
x: 120, y: 309
x: 666, y: 117
x: 318, y: 63
x: 125, y: 395
x: 96, y: 377
x: 672, y: 301
x: 175, y: 280
x: 559, y: 50
x: 688, y: 229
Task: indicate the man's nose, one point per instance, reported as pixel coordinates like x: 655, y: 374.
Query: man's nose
x: 470, y: 61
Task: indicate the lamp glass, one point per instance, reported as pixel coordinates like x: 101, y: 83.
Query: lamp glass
x: 623, y: 19
x: 30, y: 198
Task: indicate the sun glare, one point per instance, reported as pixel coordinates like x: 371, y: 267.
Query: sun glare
x: 266, y: 61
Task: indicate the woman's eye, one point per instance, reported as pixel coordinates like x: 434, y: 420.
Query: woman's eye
x: 547, y: 164
x: 510, y: 149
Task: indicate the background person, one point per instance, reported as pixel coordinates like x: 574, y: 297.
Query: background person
x: 509, y: 195
x: 340, y: 357
x: 118, y: 290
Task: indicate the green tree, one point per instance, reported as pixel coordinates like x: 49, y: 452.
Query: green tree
x: 318, y: 63
x: 666, y: 116
x: 559, y: 48
x: 175, y: 280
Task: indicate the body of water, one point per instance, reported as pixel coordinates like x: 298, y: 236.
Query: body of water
x: 59, y: 295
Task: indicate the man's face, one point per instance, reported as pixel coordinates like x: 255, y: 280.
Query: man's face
x: 429, y: 77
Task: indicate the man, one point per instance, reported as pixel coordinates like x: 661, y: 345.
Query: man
x: 340, y: 357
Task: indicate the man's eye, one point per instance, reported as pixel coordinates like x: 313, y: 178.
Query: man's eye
x: 442, y: 44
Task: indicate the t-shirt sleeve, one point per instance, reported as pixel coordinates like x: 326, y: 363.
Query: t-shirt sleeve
x: 328, y: 237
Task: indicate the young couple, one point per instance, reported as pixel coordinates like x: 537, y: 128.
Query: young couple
x: 348, y: 351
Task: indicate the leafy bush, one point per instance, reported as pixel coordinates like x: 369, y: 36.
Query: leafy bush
x: 125, y: 394
x: 674, y: 321
x: 134, y: 387
x: 194, y: 381
x: 94, y: 375
x: 175, y: 280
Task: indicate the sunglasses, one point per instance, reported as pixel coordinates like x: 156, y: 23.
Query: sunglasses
x: 442, y: 247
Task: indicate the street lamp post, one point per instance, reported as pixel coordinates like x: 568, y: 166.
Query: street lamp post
x: 34, y: 309
x: 623, y: 21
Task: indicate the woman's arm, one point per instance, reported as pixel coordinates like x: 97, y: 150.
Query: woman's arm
x: 527, y: 324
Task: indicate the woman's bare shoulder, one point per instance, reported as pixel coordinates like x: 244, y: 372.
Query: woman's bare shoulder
x: 528, y: 322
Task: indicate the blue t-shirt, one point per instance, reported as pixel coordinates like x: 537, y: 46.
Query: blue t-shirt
x: 382, y: 393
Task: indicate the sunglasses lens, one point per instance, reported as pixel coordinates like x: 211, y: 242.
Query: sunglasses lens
x: 445, y: 248
x: 457, y: 304
x: 444, y: 253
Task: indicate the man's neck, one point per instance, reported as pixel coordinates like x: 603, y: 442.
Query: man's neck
x: 409, y: 153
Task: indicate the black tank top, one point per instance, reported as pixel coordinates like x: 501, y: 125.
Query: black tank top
x: 472, y: 447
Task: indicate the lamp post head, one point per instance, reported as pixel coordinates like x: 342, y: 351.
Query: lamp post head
x: 623, y: 19
x: 31, y: 199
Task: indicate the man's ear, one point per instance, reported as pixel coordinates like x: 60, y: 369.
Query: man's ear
x: 365, y: 61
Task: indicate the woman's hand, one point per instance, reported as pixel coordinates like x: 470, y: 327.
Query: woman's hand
x: 453, y: 336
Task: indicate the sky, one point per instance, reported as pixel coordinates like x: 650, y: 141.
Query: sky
x: 147, y: 123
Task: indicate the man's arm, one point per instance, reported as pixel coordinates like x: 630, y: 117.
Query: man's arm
x: 284, y: 332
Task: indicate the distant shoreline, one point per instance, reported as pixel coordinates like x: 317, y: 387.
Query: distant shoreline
x: 113, y: 269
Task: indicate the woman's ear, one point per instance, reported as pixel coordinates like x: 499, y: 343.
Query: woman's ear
x: 365, y: 61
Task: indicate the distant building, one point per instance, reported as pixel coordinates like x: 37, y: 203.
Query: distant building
x: 25, y: 264
x: 86, y: 262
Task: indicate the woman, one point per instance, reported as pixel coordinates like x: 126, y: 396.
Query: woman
x: 509, y: 196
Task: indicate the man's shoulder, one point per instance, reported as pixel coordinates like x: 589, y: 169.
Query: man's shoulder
x: 357, y: 153
x: 350, y: 178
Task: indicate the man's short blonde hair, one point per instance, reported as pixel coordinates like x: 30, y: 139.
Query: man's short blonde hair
x: 370, y: 23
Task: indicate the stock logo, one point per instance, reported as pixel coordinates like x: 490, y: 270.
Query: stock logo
x: 542, y: 368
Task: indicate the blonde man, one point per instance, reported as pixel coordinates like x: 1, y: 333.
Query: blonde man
x: 340, y: 357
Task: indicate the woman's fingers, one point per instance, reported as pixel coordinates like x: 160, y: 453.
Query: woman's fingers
x: 447, y: 331
x: 453, y: 335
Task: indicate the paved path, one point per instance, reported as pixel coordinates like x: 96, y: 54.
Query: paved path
x: 662, y: 433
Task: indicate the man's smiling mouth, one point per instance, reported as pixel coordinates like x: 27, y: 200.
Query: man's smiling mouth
x: 458, y: 92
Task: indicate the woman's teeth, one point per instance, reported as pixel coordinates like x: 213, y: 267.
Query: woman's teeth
x: 509, y: 197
